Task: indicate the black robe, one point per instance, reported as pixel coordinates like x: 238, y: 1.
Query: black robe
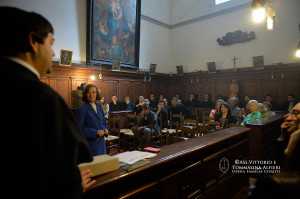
x: 41, y: 141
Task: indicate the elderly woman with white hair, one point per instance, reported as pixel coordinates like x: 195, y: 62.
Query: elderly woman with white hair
x: 254, y: 115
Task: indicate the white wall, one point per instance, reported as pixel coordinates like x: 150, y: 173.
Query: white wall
x: 195, y: 44
x: 191, y: 45
x: 68, y: 18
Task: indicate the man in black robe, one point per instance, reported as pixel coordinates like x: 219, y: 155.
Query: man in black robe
x: 41, y: 142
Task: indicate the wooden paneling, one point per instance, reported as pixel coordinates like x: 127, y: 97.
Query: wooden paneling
x: 110, y: 89
x: 255, y: 83
x: 124, y: 90
x: 137, y: 90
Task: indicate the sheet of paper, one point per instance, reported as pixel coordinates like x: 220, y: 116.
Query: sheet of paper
x: 131, y: 157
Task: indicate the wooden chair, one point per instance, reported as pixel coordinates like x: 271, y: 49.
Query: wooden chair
x: 206, y: 123
x: 127, y: 134
x: 183, y: 133
x: 194, y: 125
x: 172, y: 116
x: 113, y: 139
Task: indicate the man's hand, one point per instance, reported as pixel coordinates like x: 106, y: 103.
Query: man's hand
x: 86, y: 181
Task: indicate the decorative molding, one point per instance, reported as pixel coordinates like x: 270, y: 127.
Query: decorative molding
x: 154, y: 21
x: 197, y: 19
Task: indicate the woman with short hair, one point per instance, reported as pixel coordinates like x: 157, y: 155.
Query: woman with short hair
x: 91, y: 119
x: 254, y: 115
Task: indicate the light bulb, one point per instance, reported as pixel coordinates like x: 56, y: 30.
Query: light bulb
x: 298, y: 53
x: 100, y: 75
x: 269, y: 23
x: 258, y: 14
x: 92, y: 76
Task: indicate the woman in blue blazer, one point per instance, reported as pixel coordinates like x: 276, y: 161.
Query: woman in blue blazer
x: 91, y: 119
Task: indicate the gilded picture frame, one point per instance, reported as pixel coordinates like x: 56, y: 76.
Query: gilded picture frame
x: 113, y: 32
x: 65, y: 58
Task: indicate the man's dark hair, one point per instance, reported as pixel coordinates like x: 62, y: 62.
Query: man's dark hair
x: 146, y: 106
x: 292, y: 95
x: 16, y: 27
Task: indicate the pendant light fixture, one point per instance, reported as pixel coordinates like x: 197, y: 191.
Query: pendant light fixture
x: 258, y: 10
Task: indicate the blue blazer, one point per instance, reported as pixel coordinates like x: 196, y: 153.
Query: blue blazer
x: 91, y: 122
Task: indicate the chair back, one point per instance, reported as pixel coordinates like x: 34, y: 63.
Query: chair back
x: 130, y: 120
x: 183, y: 132
x: 193, y: 124
x: 180, y: 116
x: 114, y: 126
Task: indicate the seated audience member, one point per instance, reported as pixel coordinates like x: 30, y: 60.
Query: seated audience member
x: 192, y: 101
x: 263, y: 111
x: 268, y: 107
x: 128, y: 105
x: 92, y: 121
x: 161, y: 112
x: 161, y: 97
x: 247, y: 98
x: 224, y: 115
x: 235, y: 110
x: 146, y: 126
x: 166, y: 103
x: 217, y: 109
x: 105, y: 106
x: 179, y: 101
x: 288, y: 105
x: 146, y: 101
x: 153, y: 102
x: 177, y: 109
x: 139, y: 105
x: 179, y: 97
x: 286, y: 184
x: 254, y: 115
x: 275, y: 105
x: 207, y: 103
x: 115, y: 105
x: 290, y: 125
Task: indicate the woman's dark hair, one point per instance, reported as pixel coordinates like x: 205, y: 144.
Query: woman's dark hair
x: 227, y: 106
x: 17, y: 26
x: 86, y: 90
x: 104, y: 98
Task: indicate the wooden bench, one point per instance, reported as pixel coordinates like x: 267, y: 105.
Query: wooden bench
x: 187, y: 169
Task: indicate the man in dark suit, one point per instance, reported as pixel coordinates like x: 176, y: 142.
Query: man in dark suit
x: 42, y: 143
x: 177, y: 109
x: 115, y: 105
x: 274, y: 105
x: 207, y: 103
x: 147, y: 126
x: 288, y: 105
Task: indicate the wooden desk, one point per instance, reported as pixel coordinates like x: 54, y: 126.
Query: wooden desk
x: 262, y: 136
x: 186, y: 169
x: 122, y: 115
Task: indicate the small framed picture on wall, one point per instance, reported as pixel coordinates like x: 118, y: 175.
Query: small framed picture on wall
x: 258, y: 63
x: 179, y: 70
x: 65, y: 58
x: 211, y: 67
x: 116, y: 65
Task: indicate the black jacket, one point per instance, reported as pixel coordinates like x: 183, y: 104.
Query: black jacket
x: 42, y: 143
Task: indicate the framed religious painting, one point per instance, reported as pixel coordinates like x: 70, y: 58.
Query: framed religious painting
x: 65, y: 58
x: 211, y: 67
x: 113, y: 32
x: 258, y: 63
